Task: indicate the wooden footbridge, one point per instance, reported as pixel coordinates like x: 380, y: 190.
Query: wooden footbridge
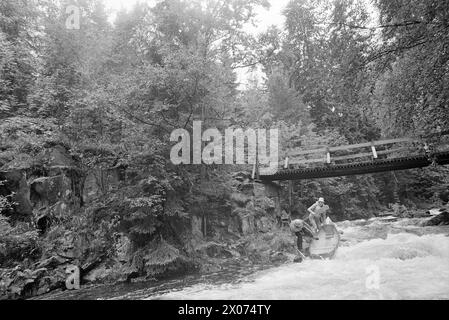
x: 361, y: 158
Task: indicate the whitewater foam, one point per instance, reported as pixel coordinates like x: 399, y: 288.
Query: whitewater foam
x: 409, y: 266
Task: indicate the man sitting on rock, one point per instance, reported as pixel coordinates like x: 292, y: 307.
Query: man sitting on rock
x: 302, y: 229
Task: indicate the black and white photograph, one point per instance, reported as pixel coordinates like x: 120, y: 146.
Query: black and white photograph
x: 219, y: 157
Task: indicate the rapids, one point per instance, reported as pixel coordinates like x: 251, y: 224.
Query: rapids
x: 377, y: 259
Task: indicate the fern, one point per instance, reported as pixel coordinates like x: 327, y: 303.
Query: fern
x: 163, y: 255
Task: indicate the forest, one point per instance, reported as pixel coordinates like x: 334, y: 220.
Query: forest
x: 86, y: 115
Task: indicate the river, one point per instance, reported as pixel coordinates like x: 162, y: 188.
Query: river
x: 377, y: 259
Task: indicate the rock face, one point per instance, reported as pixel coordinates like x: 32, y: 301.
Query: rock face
x: 60, y: 199
x: 255, y: 210
x: 24, y: 283
x: 46, y: 191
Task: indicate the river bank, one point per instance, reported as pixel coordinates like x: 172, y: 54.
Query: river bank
x: 412, y: 260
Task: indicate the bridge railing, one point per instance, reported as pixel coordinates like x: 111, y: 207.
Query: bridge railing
x: 371, y: 150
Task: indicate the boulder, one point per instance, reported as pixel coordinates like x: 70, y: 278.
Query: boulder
x: 52, y: 262
x: 21, y: 283
x: 279, y: 257
x: 101, y: 273
x: 438, y: 220
x: 216, y: 250
x: 47, y: 191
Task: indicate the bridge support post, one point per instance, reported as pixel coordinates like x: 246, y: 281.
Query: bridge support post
x: 290, y: 196
x: 255, y: 173
x: 286, y: 163
x: 373, y: 149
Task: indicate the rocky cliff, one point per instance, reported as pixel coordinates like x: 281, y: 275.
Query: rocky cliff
x: 121, y: 222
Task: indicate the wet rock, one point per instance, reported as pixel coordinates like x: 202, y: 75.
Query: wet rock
x: 101, y: 274
x: 435, y: 212
x: 47, y: 191
x: 279, y: 257
x: 216, y: 250
x: 24, y: 283
x: 438, y: 220
x: 51, y: 262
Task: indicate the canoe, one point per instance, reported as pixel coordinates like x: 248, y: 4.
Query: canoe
x: 327, y: 243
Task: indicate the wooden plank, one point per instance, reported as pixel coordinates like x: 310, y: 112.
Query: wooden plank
x: 353, y: 156
x: 368, y: 144
x: 390, y: 141
x: 352, y: 146
x: 347, y: 157
x: 393, y: 150
x: 368, y: 154
x: 289, y: 160
x: 304, y: 152
x: 317, y: 160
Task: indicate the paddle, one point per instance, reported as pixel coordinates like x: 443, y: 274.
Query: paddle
x: 301, y: 254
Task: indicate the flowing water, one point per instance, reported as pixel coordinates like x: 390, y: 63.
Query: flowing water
x: 376, y: 260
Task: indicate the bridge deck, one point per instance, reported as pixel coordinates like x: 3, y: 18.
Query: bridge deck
x: 378, y: 165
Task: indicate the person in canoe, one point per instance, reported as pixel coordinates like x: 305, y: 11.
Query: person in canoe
x: 302, y: 231
x: 317, y: 214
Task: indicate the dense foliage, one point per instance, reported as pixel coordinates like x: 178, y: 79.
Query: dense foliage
x: 340, y: 72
